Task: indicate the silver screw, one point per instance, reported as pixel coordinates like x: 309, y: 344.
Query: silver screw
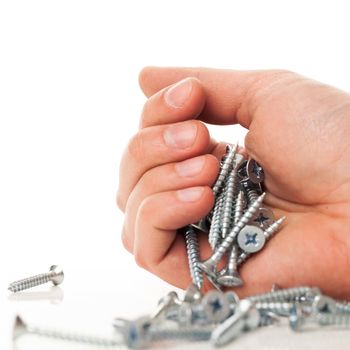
x: 21, y: 328
x: 193, y: 256
x: 245, y: 318
x: 209, y: 266
x: 216, y: 306
x: 228, y: 204
x: 278, y: 308
x: 55, y: 275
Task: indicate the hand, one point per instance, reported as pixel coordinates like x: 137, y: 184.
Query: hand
x: 298, y: 131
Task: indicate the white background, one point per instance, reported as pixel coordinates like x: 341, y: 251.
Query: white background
x: 69, y: 102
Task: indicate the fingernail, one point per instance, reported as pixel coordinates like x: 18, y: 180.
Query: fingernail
x: 177, y: 95
x: 191, y: 194
x: 190, y: 167
x: 180, y: 135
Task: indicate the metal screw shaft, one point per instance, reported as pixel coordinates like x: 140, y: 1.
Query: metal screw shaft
x: 55, y: 275
x: 282, y: 295
x: 193, y: 256
x: 225, y: 169
x: 20, y: 328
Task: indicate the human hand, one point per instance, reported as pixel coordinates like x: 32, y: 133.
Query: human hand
x: 298, y: 131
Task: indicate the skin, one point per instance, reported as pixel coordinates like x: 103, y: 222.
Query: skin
x: 298, y: 130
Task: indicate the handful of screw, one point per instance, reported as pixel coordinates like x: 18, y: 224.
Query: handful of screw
x: 238, y: 225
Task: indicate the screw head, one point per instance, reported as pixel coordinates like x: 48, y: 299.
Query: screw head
x: 233, y: 280
x: 59, y: 275
x: 254, y: 171
x: 263, y: 218
x: 216, y: 306
x: 201, y: 225
x: 251, y: 239
x: 323, y: 305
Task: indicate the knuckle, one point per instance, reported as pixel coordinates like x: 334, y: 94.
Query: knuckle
x: 136, y: 146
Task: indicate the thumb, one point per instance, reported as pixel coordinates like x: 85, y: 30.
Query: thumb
x: 231, y: 96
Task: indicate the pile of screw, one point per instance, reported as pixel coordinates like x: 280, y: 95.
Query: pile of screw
x: 238, y: 225
x: 221, y: 317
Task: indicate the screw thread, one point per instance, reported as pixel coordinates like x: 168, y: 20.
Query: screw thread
x: 74, y: 337
x: 251, y: 194
x: 282, y: 295
x: 215, y: 228
x: 333, y: 319
x: 193, y: 256
x: 30, y: 282
x: 343, y: 307
x: 225, y: 169
x: 195, y: 334
x: 279, y: 308
x: 239, y: 208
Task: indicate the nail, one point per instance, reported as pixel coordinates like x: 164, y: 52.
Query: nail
x: 191, y: 194
x: 190, y: 167
x: 177, y: 95
x: 180, y: 135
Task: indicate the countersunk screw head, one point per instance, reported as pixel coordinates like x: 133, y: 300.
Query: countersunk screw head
x: 251, y: 239
x: 216, y: 306
x: 254, y: 171
x: 58, y: 275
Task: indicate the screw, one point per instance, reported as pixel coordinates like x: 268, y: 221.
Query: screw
x: 251, y: 239
x: 209, y: 266
x: 21, y: 328
x: 245, y: 318
x: 193, y: 256
x: 55, y: 275
x: 170, y: 300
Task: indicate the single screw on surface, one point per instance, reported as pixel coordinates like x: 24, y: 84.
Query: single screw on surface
x: 55, y: 275
x: 21, y: 328
x: 193, y: 256
x: 209, y: 266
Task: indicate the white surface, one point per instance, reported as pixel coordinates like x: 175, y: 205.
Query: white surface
x: 69, y: 102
